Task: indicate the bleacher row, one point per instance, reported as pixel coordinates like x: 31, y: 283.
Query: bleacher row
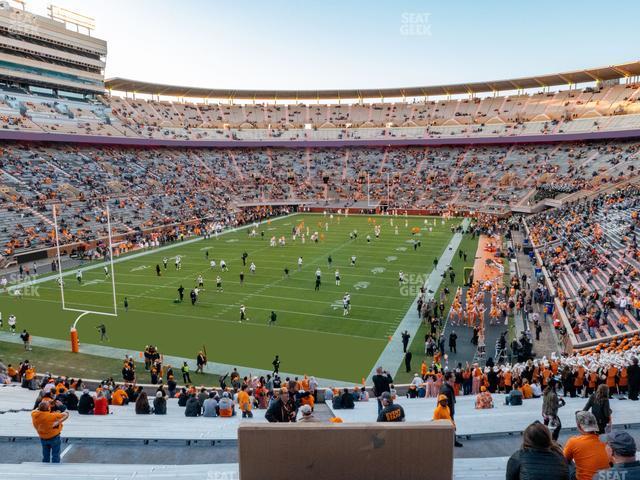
x: 604, y: 108
x: 154, y: 187
x: 591, y: 251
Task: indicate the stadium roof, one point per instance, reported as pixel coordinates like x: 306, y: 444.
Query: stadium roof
x: 612, y: 72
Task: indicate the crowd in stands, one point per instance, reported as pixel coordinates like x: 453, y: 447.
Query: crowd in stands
x: 567, y: 111
x: 182, y: 188
x: 590, y: 251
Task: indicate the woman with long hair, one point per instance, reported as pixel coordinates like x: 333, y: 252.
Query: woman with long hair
x: 539, y: 458
x: 142, y: 404
x: 598, y: 403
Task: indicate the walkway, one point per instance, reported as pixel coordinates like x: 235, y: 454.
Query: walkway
x: 392, y: 356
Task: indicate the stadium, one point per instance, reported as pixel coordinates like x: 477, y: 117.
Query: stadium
x: 437, y: 281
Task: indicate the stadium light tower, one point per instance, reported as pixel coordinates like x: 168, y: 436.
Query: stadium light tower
x: 75, y: 342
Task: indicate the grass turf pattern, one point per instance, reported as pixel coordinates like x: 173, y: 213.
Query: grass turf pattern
x: 311, y: 334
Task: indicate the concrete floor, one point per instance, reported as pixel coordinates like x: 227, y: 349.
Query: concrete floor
x: 179, y: 453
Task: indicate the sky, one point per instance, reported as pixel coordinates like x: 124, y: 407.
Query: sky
x: 303, y: 44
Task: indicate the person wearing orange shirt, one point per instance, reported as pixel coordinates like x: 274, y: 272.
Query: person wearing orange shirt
x: 49, y: 427
x: 612, y: 372
x: 586, y: 450
x: 442, y: 411
x: 507, y: 381
x: 120, y: 397
x: 623, y: 380
x: 527, y: 392
x: 244, y: 402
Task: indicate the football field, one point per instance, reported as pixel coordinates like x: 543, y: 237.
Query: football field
x: 311, y: 334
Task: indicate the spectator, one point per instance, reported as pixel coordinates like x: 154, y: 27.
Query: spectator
x: 483, y: 399
x: 621, y: 449
x: 390, y: 412
x: 85, y: 404
x: 514, y: 397
x: 307, y: 415
x: 539, y: 458
x: 586, y: 450
x: 192, y: 407
x: 100, y: 405
x: 550, y: 406
x: 244, y: 402
x: 226, y: 407
x: 120, y: 396
x: 282, y: 409
x: 71, y: 400
x: 142, y: 404
x: 49, y: 427
x: 346, y: 400
x: 159, y: 404
x: 210, y: 405
x: 598, y: 403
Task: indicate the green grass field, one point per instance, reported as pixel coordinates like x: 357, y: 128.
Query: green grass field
x: 311, y: 336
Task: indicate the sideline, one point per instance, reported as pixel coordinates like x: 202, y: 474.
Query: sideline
x: 213, y: 368
x: 392, y: 356
x: 127, y: 257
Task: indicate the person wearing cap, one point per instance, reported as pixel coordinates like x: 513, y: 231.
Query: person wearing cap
x: 48, y: 424
x: 226, y: 407
x: 159, y: 404
x: 390, y: 412
x: 586, y: 450
x: 442, y: 410
x: 448, y: 390
x: 621, y: 449
x: 306, y: 415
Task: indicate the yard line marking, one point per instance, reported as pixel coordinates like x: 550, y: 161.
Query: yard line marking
x: 248, y: 324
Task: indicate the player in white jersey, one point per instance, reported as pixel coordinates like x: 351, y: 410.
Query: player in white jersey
x: 212, y: 264
x: 337, y: 277
x: 353, y: 260
x: 165, y: 260
x: 299, y: 263
x: 243, y: 314
x: 252, y: 268
x: 200, y: 281
x: 223, y: 266
x: 12, y: 324
x: 106, y: 271
x: 345, y: 306
x: 178, y: 262
x: 219, y: 284
x: 401, y: 277
x: 79, y: 276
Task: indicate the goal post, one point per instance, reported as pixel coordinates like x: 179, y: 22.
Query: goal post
x: 382, y: 196
x: 109, y: 310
